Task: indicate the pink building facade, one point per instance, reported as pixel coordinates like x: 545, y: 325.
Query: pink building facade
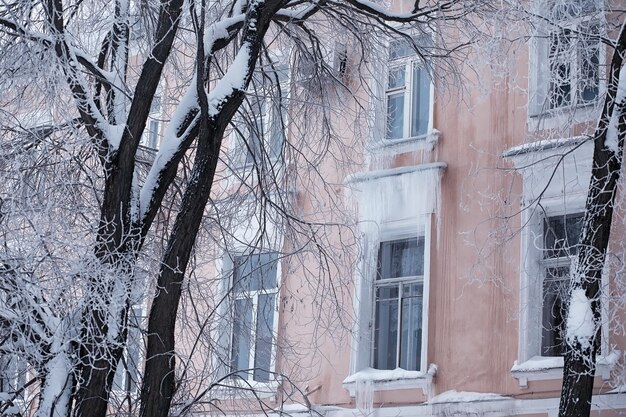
x: 466, y: 213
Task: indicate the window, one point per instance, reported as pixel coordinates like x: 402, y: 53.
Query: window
x: 392, y: 279
x: 560, y: 239
x: 571, y: 47
x: 127, y: 372
x: 13, y: 376
x: 407, y: 93
x: 151, y: 135
x: 254, y: 290
x: 261, y: 130
x: 398, y: 292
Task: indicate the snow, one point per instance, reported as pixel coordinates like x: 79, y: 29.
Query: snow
x: 114, y: 134
x: 398, y: 194
x: 454, y: 396
x: 364, y: 396
x: 539, y: 363
x: 365, y: 380
x: 233, y: 80
x: 56, y: 390
x: 168, y: 148
x: 612, y: 139
x: 543, y: 145
x: 580, y: 323
x: 381, y: 375
x: 219, y: 30
x: 296, y: 14
x: 377, y: 8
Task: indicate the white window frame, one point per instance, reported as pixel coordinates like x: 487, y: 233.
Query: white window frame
x: 393, y: 233
x: 19, y: 368
x: 549, y: 192
x: 408, y: 63
x: 121, y: 387
x: 411, y: 217
x: 539, y: 106
x: 379, y: 106
x: 240, y: 149
x: 152, y: 133
x: 254, y: 295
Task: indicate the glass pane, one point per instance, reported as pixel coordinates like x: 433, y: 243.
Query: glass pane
x: 563, y: 10
x: 155, y: 105
x: 386, y: 327
x: 277, y: 133
x: 280, y: 71
x: 400, y: 48
x: 560, y: 68
x: 555, y: 296
x: 264, y: 332
x: 420, y: 101
x: 589, y: 63
x: 561, y: 234
x: 395, y: 116
x: 401, y: 258
x: 135, y: 343
x: 560, y: 86
x: 411, y: 336
x: 242, y: 327
x: 12, y: 374
x: 254, y: 272
x: 154, y: 134
x: 397, y: 78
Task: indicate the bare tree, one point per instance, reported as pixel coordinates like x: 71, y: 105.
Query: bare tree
x: 583, y: 329
x: 109, y: 59
x: 568, y: 40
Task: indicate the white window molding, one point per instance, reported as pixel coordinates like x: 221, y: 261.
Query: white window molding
x: 250, y: 237
x: 260, y: 129
x: 128, y: 368
x: 402, y: 109
x: 390, y: 380
x: 13, y: 379
x: 254, y: 312
x: 566, y: 63
x: 151, y: 137
x: 556, y: 176
x: 540, y: 368
x: 407, y: 200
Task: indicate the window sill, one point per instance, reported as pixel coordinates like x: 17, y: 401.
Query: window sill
x: 540, y: 368
x: 556, y: 118
x: 422, y: 142
x: 243, y: 389
x: 386, y: 380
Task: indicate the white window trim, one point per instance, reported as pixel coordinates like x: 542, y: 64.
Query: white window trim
x: 535, y: 162
x: 235, y: 387
x: 140, y: 360
x: 21, y: 400
x: 153, y: 116
x: 239, y: 148
x: 361, y: 363
x: 376, y: 227
x: 540, y: 118
x: 378, y: 112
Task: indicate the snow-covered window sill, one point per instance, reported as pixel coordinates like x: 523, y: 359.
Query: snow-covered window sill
x: 386, y: 380
x: 557, y: 118
x: 416, y: 143
x: 540, y: 368
x: 239, y: 389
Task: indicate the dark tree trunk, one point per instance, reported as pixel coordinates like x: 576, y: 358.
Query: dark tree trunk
x: 158, y: 386
x: 118, y: 240
x: 580, y: 359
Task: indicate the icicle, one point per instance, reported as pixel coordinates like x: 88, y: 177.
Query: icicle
x: 364, y: 392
